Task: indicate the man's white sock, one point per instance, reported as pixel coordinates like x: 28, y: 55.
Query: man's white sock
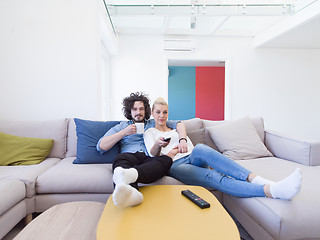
x: 287, y: 188
x: 126, y: 196
x: 124, y: 175
x: 261, y: 181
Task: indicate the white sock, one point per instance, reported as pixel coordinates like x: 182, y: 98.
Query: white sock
x: 287, y: 188
x: 126, y: 196
x: 124, y: 176
x: 261, y: 181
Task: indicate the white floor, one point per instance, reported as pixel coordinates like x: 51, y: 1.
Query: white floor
x: 244, y: 235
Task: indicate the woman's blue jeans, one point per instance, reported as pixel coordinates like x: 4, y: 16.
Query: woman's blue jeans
x: 226, y: 176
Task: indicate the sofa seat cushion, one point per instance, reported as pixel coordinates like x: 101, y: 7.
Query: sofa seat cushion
x: 27, y: 174
x: 12, y: 191
x: 166, y: 180
x: 66, y: 177
x: 295, y: 219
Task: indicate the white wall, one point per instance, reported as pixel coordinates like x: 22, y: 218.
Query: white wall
x: 50, y: 67
x: 280, y: 85
x: 50, y: 56
x: 139, y: 66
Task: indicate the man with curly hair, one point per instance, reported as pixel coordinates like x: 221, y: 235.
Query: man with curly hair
x: 134, y: 165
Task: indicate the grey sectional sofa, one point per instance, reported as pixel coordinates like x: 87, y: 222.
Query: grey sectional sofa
x: 35, y: 188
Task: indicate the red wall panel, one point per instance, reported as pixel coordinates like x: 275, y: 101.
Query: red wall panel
x: 210, y: 88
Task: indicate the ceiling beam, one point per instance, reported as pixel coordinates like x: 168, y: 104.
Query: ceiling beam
x: 288, y: 24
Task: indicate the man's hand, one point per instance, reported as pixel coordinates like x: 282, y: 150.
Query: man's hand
x: 130, y: 129
x: 183, y: 146
x: 181, y: 129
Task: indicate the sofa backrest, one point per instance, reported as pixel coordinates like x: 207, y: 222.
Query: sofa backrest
x: 71, y: 139
x: 50, y: 129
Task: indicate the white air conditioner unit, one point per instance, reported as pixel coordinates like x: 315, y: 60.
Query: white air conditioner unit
x: 179, y: 45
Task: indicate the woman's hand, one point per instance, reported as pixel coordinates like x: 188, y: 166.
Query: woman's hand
x: 160, y: 143
x: 183, y: 146
x: 174, y: 151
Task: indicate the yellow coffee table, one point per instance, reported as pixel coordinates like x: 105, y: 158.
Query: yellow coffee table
x: 166, y: 214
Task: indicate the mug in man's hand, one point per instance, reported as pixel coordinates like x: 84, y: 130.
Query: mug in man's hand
x: 140, y: 127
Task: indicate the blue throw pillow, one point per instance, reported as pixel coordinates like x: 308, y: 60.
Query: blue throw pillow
x: 89, y: 133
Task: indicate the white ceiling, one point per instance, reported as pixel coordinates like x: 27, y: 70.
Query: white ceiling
x: 270, y: 26
x: 244, y: 26
x: 302, y: 30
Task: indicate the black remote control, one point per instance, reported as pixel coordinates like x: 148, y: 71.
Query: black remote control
x: 195, y: 199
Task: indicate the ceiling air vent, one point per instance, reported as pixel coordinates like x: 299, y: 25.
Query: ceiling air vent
x: 179, y: 45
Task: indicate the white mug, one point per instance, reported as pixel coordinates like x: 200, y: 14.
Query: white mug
x: 140, y: 127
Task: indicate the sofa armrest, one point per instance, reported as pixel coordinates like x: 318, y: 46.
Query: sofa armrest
x: 292, y: 148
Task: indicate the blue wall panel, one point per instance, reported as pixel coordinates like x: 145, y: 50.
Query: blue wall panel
x: 181, y: 93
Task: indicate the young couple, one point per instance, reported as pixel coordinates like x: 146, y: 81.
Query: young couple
x: 147, y: 157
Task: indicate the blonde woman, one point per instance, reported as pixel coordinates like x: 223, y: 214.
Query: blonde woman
x: 225, y: 174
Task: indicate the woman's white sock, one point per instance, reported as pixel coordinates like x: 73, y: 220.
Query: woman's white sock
x: 126, y: 196
x: 261, y: 181
x: 287, y: 188
x: 124, y: 175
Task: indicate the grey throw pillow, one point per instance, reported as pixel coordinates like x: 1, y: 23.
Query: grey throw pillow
x: 238, y: 139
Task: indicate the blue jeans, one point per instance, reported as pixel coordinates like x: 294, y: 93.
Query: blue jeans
x: 226, y: 176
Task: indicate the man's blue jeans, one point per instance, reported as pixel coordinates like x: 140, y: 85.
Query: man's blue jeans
x: 226, y: 176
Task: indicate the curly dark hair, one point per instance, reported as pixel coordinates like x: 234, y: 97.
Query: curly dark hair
x: 128, y: 103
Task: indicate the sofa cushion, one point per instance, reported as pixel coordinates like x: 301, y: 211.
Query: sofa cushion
x: 51, y: 129
x: 89, y: 133
x: 196, y: 136
x: 12, y: 192
x: 193, y: 124
x: 71, y: 139
x: 295, y: 219
x: 238, y: 139
x: 297, y: 149
x: 16, y: 150
x: 66, y: 177
x: 27, y: 173
x: 208, y: 140
x: 257, y: 123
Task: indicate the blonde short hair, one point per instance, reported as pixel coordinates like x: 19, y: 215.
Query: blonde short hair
x: 160, y: 101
